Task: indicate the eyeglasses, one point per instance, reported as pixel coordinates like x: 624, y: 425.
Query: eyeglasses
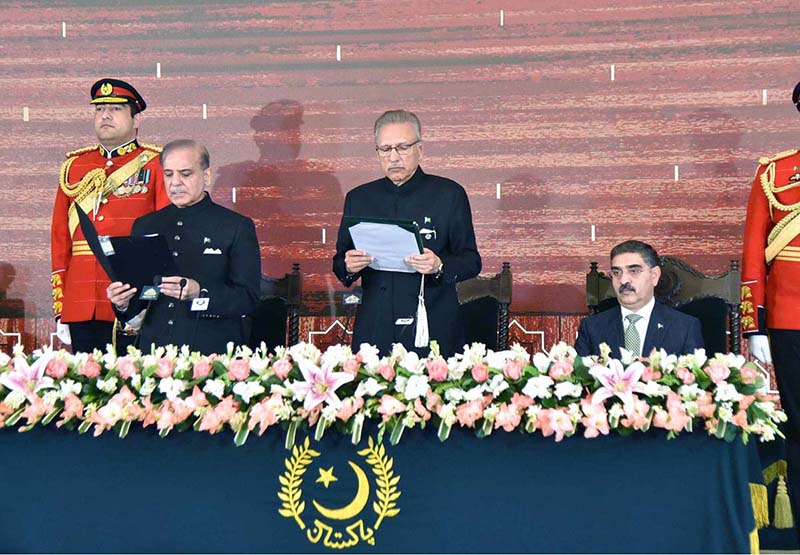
x: 402, y: 149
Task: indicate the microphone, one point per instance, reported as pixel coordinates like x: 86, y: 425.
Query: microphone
x: 157, y: 280
x: 200, y: 304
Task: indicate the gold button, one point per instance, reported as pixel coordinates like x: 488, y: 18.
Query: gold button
x: 100, y: 218
x: 105, y: 201
x: 109, y: 163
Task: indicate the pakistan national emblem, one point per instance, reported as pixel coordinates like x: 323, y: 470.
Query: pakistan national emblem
x: 343, y: 527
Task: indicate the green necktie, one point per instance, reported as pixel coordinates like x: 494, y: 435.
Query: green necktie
x: 632, y: 339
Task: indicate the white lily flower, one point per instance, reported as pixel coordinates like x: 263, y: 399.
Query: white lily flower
x: 538, y: 387
x: 148, y: 387
x: 335, y: 355
x: 370, y: 357
x: 417, y: 386
x: 726, y: 392
x: 215, y: 388
x: 248, y: 390
x: 496, y: 385
x: 474, y: 393
x: 653, y: 389
x: 15, y: 399
x: 689, y: 392
x: 107, y: 386
x: 69, y: 386
x: 411, y: 362
x: 370, y: 387
x: 171, y: 387
x: 567, y: 389
x: 498, y: 359
x: 454, y: 395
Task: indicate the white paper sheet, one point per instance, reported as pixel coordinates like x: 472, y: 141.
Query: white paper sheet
x: 389, y: 245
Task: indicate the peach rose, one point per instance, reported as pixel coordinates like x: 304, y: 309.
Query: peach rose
x: 239, y: 369
x: 437, y: 369
x: 512, y: 370
x: 90, y: 368
x: 56, y: 368
x: 386, y: 371
x: 718, y: 372
x: 164, y: 367
x: 749, y: 374
x: 560, y: 370
x: 650, y: 374
x: 351, y: 366
x: 126, y: 368
x: 508, y: 417
x: 390, y: 406
x: 686, y: 375
x: 281, y: 368
x: 480, y: 373
x: 201, y: 368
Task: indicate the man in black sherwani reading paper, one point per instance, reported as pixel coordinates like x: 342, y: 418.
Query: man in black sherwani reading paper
x: 216, y: 252
x: 388, y: 311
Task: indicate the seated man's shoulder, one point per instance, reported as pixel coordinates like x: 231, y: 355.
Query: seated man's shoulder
x: 602, y: 317
x: 678, y: 315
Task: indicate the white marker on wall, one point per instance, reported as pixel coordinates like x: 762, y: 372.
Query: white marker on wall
x: 593, y: 233
x: 233, y: 195
x: 323, y: 235
x: 63, y: 29
x: 338, y: 52
x: 158, y: 70
x: 26, y: 114
x: 502, y: 18
x: 498, y: 191
x: 763, y: 97
x: 677, y: 173
x: 205, y: 111
x: 613, y: 71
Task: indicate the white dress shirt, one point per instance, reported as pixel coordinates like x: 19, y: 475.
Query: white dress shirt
x: 641, y: 326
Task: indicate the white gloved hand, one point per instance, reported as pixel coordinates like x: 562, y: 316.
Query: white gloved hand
x: 759, y: 348
x: 62, y: 332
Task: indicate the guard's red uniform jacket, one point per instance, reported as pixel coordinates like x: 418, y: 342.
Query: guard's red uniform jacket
x: 113, y: 188
x: 771, y: 257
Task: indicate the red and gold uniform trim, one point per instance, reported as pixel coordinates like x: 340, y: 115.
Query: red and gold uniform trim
x: 770, y: 269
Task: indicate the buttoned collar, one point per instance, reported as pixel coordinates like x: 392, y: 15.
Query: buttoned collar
x: 120, y: 150
x: 197, y: 207
x: 407, y: 187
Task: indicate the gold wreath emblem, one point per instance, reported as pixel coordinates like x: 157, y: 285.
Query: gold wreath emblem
x: 106, y: 89
x: 385, y: 505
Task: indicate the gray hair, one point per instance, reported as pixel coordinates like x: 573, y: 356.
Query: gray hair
x: 648, y: 253
x: 202, y: 151
x: 398, y: 116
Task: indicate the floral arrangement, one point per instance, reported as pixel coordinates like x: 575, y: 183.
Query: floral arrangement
x: 557, y: 394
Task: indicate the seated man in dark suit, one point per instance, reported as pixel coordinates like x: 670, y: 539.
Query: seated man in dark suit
x: 639, y: 324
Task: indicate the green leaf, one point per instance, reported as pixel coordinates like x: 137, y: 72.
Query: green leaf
x: 124, y: 428
x: 11, y: 420
x: 241, y: 435
x: 50, y: 415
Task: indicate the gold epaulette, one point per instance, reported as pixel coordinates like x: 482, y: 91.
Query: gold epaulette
x: 769, y: 159
x: 83, y: 150
x: 154, y: 148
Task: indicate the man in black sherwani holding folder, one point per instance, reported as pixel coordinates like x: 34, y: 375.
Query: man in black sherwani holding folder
x: 216, y: 252
x: 388, y: 311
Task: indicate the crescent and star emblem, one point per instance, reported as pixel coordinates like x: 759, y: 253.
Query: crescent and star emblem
x: 356, y: 505
x: 106, y: 89
x: 346, y: 526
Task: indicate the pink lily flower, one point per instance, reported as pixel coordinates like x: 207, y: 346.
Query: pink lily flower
x: 28, y: 379
x: 320, y: 384
x: 617, y: 381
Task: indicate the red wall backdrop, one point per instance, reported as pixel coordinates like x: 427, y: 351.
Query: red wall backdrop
x: 529, y: 105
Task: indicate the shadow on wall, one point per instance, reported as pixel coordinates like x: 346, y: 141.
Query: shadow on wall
x: 290, y: 200
x: 12, y: 311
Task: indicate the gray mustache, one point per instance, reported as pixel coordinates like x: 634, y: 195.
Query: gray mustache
x: 626, y: 287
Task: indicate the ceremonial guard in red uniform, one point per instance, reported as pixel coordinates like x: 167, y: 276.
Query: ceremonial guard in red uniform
x: 114, y: 182
x: 771, y: 286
